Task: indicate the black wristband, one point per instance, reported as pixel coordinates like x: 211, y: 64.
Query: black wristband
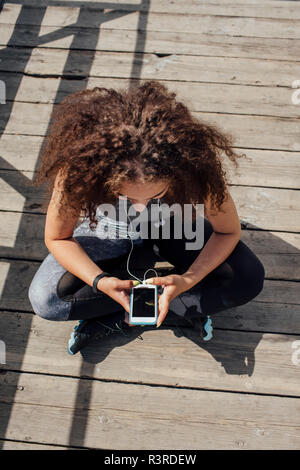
x: 95, y: 282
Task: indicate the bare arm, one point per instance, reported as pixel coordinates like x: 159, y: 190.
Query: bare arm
x: 226, y: 235
x: 60, y: 242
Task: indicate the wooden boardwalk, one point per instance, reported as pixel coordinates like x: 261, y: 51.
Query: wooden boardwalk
x: 234, y: 63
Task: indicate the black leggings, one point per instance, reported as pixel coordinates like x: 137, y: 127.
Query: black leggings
x: 56, y: 294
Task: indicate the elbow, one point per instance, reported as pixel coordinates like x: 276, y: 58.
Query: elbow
x: 236, y: 233
x: 50, y: 241
x: 47, y: 243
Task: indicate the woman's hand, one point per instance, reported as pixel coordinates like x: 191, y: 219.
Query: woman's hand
x: 174, y: 284
x: 117, y: 289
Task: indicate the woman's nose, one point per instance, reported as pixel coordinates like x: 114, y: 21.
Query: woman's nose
x: 138, y: 206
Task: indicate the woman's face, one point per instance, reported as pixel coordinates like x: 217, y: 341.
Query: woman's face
x: 139, y: 194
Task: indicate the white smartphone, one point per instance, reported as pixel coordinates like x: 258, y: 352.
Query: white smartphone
x: 143, y: 305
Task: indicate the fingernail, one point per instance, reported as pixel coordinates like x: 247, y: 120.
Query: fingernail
x: 158, y: 325
x: 136, y: 283
x: 149, y: 281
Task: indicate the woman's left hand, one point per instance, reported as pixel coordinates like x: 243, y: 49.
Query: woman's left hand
x: 174, y: 284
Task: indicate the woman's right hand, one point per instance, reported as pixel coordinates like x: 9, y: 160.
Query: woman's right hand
x: 117, y: 289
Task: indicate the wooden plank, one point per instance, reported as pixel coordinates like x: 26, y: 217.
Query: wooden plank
x: 165, y: 418
x: 280, y: 292
x: 261, y: 316
x: 258, y: 207
x: 162, y: 42
x: 204, y: 23
x: 281, y: 169
x: 268, y: 243
x: 258, y: 132
x: 237, y: 70
x: 278, y: 251
x: 21, y: 152
x: 243, y: 361
x: 253, y: 9
x: 278, y: 133
x: 207, y: 97
x: 267, y: 208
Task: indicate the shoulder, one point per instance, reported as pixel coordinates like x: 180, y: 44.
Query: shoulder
x: 211, y: 209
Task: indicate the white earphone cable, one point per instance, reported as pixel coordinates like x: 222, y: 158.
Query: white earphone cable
x: 150, y: 269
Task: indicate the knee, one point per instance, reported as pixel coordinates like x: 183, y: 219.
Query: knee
x: 253, y: 279
x: 41, y: 301
x: 258, y: 278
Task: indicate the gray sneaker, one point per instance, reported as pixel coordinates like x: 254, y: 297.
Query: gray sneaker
x: 96, y: 328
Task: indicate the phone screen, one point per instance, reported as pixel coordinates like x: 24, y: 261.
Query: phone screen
x: 143, y: 303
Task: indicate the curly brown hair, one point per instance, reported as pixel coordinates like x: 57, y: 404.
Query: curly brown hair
x: 100, y: 138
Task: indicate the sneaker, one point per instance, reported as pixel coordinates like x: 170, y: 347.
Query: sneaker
x: 201, y: 322
x: 95, y: 328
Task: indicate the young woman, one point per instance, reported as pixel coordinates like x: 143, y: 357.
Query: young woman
x: 144, y: 147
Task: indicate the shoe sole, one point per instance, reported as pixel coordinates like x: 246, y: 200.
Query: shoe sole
x: 208, y: 329
x: 71, y: 342
x: 72, y: 339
